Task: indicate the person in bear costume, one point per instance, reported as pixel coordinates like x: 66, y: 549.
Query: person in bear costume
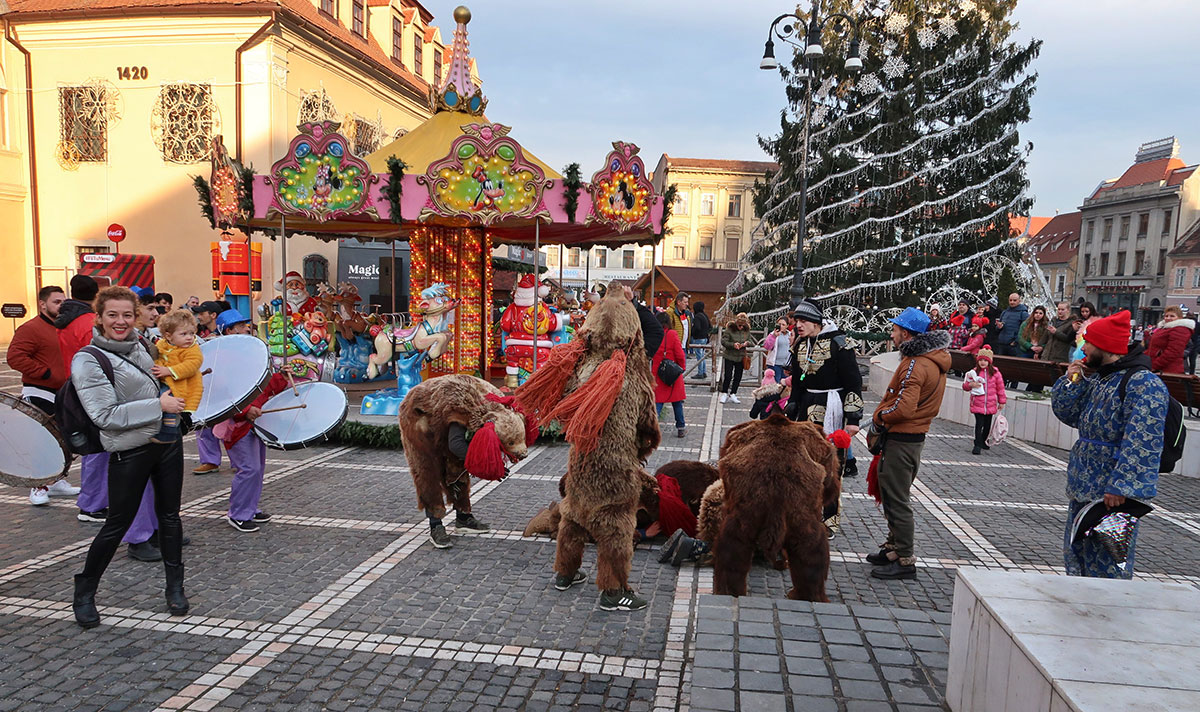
x: 452, y: 426
x: 599, y: 387
x: 770, y: 506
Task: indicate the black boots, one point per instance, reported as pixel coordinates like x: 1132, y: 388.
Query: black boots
x: 177, y: 603
x: 84, y: 604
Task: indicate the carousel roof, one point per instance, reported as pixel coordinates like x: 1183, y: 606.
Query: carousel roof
x: 429, y: 142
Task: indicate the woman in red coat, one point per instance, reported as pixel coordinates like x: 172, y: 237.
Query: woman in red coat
x: 671, y: 349
x: 1169, y: 340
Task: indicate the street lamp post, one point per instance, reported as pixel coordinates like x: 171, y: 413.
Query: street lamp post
x: 813, y: 51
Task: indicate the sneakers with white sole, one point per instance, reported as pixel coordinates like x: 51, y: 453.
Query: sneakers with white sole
x: 242, y: 525
x: 62, y: 488
x: 39, y: 496
x: 723, y: 397
x: 733, y: 397
x: 618, y: 600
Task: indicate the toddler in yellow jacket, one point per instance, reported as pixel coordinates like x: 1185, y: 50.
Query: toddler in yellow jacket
x: 178, y: 365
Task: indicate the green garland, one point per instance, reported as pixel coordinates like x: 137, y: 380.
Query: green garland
x: 668, y: 205
x: 383, y: 437
x: 204, y: 193
x: 573, y: 182
x: 246, y: 192
x: 395, y: 186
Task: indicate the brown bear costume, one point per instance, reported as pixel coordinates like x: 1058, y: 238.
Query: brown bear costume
x: 773, y: 504
x: 425, y: 419
x: 599, y: 386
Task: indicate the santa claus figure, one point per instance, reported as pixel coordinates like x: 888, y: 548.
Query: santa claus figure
x: 296, y: 298
x: 527, y: 324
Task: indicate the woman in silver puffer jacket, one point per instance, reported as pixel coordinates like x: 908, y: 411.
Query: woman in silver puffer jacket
x: 128, y: 411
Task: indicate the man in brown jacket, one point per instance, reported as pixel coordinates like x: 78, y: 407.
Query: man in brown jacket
x: 912, y: 400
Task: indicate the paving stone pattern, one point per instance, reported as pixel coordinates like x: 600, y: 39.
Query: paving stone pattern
x: 340, y: 603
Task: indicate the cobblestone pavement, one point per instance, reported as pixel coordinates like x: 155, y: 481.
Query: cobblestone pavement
x: 341, y: 603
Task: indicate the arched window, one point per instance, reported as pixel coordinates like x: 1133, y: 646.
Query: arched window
x: 316, y: 270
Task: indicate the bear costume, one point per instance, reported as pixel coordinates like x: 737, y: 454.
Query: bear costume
x: 772, y: 505
x: 436, y: 418
x: 600, y: 388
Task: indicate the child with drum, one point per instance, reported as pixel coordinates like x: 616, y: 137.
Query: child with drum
x: 178, y: 366
x: 246, y: 451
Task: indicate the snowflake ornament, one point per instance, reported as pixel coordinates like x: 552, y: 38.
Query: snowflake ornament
x: 895, y: 67
x: 869, y: 83
x: 947, y: 28
x: 967, y: 6
x: 890, y: 47
x: 819, y: 112
x: 896, y: 23
x: 926, y: 37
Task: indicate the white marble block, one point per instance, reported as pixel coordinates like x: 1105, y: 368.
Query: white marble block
x: 1043, y: 643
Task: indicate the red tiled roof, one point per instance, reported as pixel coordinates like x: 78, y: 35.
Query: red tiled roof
x: 757, y: 167
x: 1179, y: 175
x: 429, y: 32
x: 1189, y: 242
x: 1058, y: 240
x: 366, y: 48
x: 1143, y: 173
x: 378, y: 3
x: 1017, y: 224
x: 409, y: 13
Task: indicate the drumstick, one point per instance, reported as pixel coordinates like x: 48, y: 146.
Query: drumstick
x: 287, y: 372
x: 206, y: 371
x: 289, y: 407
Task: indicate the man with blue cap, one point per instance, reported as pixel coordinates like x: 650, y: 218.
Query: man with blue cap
x: 231, y: 321
x: 912, y: 400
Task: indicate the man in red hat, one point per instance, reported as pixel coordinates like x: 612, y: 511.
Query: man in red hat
x: 1120, y: 412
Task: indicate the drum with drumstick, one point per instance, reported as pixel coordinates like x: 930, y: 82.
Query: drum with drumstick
x: 32, y: 451
x: 236, y: 367
x: 303, y: 415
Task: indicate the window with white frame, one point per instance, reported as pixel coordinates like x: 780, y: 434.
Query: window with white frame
x: 1196, y: 278
x: 627, y: 259
x: 552, y: 256
x: 681, y: 204
x: 573, y: 257
x: 1180, y: 276
x: 708, y: 204
x: 735, y: 205
x: 706, y: 249
x: 601, y: 257
x: 648, y: 258
x: 677, y: 251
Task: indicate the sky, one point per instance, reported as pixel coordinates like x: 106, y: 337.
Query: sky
x: 682, y: 78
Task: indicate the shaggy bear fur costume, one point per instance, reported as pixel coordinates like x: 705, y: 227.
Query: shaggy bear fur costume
x: 772, y: 504
x: 425, y: 418
x: 599, y: 386
x: 693, y: 478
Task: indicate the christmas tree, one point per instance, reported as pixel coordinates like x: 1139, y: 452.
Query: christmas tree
x: 914, y: 164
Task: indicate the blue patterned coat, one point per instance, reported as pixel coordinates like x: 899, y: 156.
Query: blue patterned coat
x: 1120, y: 443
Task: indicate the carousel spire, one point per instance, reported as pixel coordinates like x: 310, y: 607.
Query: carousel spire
x: 458, y: 91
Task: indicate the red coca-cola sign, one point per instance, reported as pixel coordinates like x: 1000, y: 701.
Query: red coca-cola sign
x: 116, y: 232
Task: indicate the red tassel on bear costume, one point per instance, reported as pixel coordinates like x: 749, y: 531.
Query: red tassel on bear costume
x: 840, y: 439
x: 531, y: 424
x: 672, y: 512
x: 485, y: 456
x: 545, y: 387
x: 873, y: 479
x: 585, y: 411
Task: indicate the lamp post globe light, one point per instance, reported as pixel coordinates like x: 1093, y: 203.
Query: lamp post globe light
x: 787, y: 28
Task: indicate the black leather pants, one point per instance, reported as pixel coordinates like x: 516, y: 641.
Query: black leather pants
x: 128, y: 472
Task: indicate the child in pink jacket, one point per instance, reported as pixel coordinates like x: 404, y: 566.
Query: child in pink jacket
x: 987, y: 396
x: 975, y: 340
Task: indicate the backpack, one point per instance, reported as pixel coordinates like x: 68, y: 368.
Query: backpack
x: 76, y: 427
x: 1175, y: 434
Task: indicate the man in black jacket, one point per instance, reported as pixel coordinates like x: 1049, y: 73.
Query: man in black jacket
x: 652, y: 331
x: 701, y: 330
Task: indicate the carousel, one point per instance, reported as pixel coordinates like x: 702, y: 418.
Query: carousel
x: 453, y: 188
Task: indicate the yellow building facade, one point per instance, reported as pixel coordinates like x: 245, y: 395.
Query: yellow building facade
x: 713, y: 215
x: 124, y: 102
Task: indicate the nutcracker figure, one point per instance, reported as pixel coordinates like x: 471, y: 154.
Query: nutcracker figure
x: 236, y: 269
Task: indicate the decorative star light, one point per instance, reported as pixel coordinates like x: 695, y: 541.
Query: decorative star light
x: 894, y: 67
x: 927, y: 37
x: 869, y: 83
x: 896, y: 23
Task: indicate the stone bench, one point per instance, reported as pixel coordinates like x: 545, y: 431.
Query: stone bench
x: 1044, y: 643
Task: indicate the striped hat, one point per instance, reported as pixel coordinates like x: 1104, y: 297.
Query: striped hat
x: 809, y: 311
